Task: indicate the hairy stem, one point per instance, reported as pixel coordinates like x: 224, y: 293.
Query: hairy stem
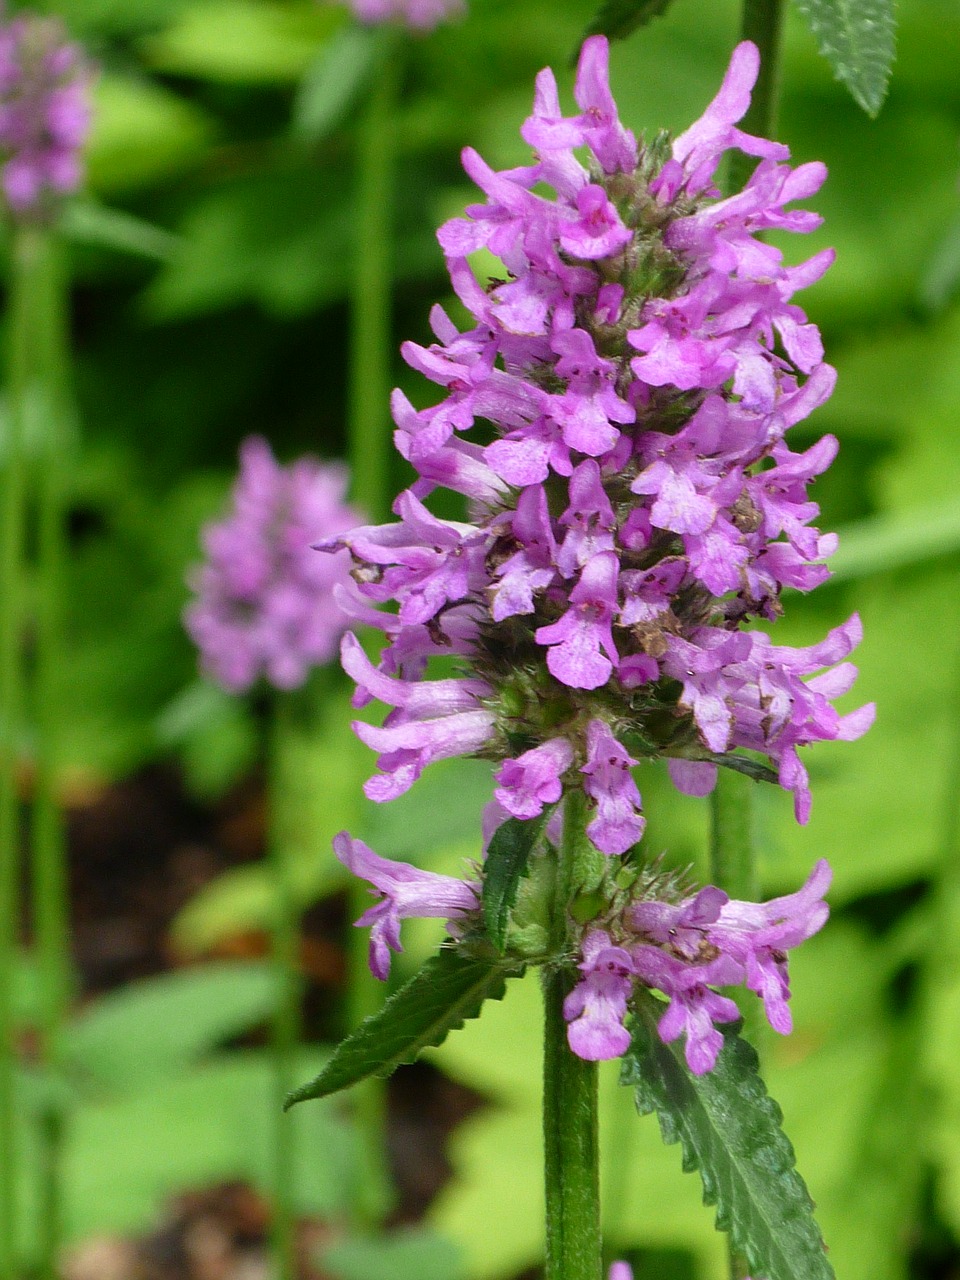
x: 370, y: 336
x: 12, y: 516
x: 50, y: 348
x: 762, y: 22
x: 570, y: 1125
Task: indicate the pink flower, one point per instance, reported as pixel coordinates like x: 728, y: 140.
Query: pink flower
x: 406, y: 891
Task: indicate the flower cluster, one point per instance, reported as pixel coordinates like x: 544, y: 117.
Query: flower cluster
x: 264, y: 599
x: 631, y: 378
x: 44, y: 114
x: 683, y: 949
x: 420, y: 15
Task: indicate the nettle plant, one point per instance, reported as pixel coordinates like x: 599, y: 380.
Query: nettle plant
x: 635, y: 507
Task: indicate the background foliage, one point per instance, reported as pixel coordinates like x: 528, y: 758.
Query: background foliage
x: 212, y: 258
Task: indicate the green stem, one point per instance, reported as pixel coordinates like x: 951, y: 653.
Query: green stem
x: 570, y: 1124
x: 19, y: 305
x: 762, y: 22
x: 732, y: 854
x: 285, y: 1031
x: 50, y: 347
x: 370, y: 338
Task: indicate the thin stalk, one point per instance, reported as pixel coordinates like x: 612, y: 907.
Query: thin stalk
x: 50, y: 346
x: 761, y: 22
x: 369, y: 434
x: 285, y: 1031
x: 11, y: 710
x: 570, y: 1124
x: 371, y: 343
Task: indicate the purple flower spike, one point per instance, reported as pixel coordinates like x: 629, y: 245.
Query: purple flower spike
x: 618, y: 824
x: 407, y: 892
x: 616, y: 414
x: 44, y: 115
x: 265, y: 603
x: 597, y: 1005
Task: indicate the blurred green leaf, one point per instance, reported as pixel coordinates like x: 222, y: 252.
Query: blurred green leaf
x: 124, y: 1157
x: 317, y: 793
x: 857, y: 37
x: 730, y: 1131
x: 448, y: 989
x: 620, y: 18
x: 941, y: 280
x: 241, y: 41
x: 118, y: 16
x: 332, y: 82
x: 411, y: 1254
x: 142, y: 133
x: 424, y: 819
x: 150, y: 1030
x: 86, y: 222
x: 214, y: 734
x: 887, y: 542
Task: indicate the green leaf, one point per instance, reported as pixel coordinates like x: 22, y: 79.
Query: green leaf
x: 248, y: 42
x: 620, y: 18
x: 506, y: 863
x: 729, y: 1129
x: 410, y: 1254
x: 142, y: 133
x: 448, y: 989
x: 86, y: 222
x: 152, y: 1029
x: 332, y: 82
x: 857, y: 37
x: 126, y: 1156
x: 891, y: 541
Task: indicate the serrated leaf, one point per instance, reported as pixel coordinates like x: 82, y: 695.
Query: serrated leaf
x: 729, y: 1129
x: 449, y: 989
x: 620, y: 18
x: 506, y: 864
x: 857, y: 37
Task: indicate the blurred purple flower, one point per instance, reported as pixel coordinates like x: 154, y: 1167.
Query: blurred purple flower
x: 421, y: 15
x: 265, y: 603
x: 44, y: 114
